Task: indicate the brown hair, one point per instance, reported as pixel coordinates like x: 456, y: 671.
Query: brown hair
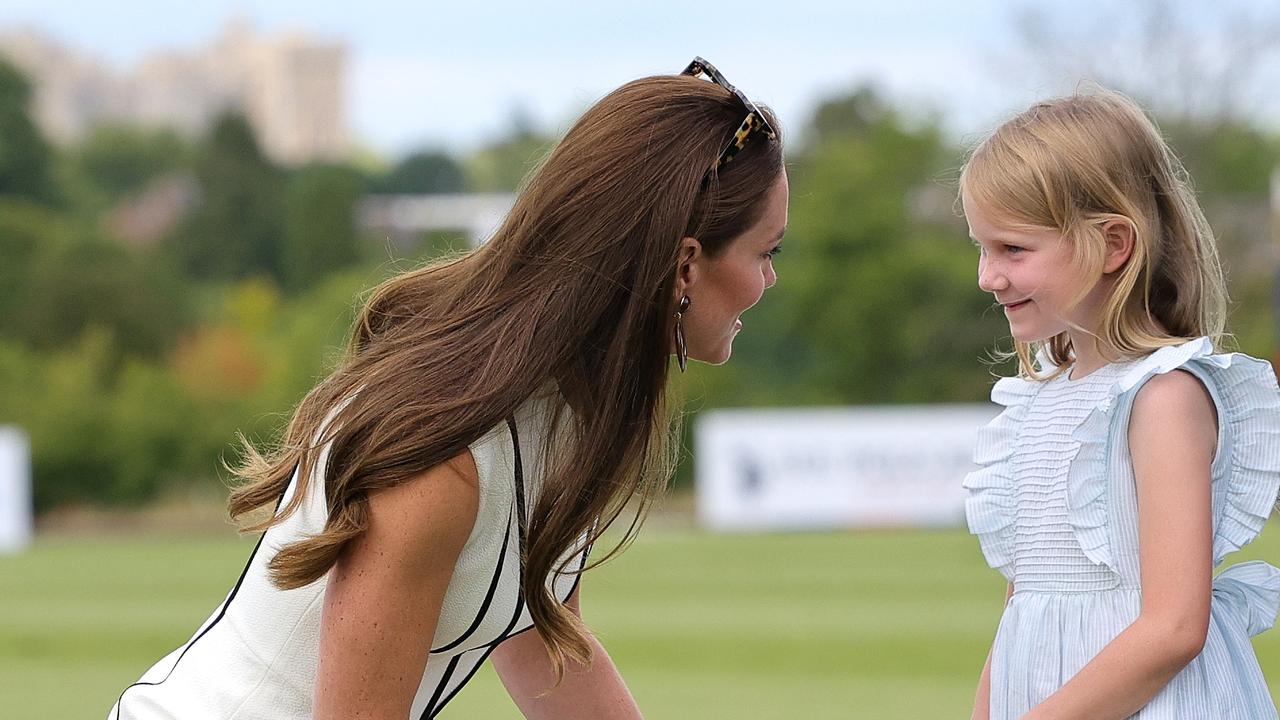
x: 576, y: 287
x: 1074, y: 163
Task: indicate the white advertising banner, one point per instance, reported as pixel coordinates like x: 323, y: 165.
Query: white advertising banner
x: 15, y: 490
x: 897, y: 466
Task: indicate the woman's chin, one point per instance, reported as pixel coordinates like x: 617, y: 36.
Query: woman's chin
x: 719, y: 356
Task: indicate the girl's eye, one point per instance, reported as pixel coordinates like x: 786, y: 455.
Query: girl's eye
x: 1013, y: 249
x: 773, y: 252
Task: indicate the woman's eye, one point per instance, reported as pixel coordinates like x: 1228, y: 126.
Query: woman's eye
x: 774, y: 251
x: 1013, y: 249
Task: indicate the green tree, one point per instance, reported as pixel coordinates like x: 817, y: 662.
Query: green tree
x: 500, y: 166
x: 427, y: 171
x: 60, y: 281
x: 236, y: 231
x: 1226, y: 157
x: 320, y: 229
x: 119, y: 160
x: 94, y: 283
x: 25, y: 157
x: 26, y: 230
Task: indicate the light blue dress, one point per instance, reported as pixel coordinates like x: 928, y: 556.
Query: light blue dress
x: 1054, y: 506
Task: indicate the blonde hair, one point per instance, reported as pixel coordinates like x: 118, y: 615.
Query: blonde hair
x: 1074, y: 163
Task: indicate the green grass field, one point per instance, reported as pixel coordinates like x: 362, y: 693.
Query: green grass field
x: 799, y: 626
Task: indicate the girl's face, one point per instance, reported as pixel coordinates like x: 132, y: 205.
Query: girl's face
x: 1030, y: 272
x: 723, y: 287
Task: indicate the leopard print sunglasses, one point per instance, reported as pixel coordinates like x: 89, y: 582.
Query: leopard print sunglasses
x: 754, y: 123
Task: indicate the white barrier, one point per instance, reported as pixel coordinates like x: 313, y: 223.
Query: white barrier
x: 15, y: 490
x: 835, y: 468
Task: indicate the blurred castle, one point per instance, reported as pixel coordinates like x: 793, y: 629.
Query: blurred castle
x: 291, y: 87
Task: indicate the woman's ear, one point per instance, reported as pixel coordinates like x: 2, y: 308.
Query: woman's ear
x: 688, y: 265
x: 1119, y: 237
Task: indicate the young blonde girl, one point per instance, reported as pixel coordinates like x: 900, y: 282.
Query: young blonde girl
x: 1131, y: 457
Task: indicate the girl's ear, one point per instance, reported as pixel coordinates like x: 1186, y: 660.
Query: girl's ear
x: 688, y: 266
x: 1119, y: 237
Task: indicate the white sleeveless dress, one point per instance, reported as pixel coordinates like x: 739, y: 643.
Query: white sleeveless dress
x: 256, y: 656
x: 1054, y: 506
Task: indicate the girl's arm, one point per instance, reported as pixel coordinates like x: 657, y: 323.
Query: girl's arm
x: 384, y: 594
x: 594, y: 692
x: 1172, y: 435
x: 982, y: 701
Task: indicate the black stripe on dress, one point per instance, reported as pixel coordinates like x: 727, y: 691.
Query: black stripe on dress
x: 432, y: 709
x: 577, y: 578
x: 488, y: 598
x: 520, y: 511
x: 444, y: 682
x: 502, y: 556
x: 582, y: 564
x: 221, y: 612
x: 488, y: 650
x: 515, y: 442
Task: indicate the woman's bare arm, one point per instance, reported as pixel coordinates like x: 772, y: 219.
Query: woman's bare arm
x: 586, y: 693
x: 384, y: 594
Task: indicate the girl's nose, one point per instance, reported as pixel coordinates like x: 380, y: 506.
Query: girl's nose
x: 990, y: 279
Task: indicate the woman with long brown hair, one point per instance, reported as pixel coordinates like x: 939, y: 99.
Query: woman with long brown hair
x: 436, y: 495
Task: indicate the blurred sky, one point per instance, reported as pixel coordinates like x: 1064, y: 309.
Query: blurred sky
x: 452, y: 74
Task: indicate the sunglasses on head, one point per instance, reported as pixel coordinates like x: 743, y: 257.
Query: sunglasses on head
x: 754, y: 123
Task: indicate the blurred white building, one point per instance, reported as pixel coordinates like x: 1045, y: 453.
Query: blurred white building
x: 292, y: 88
x: 403, y: 219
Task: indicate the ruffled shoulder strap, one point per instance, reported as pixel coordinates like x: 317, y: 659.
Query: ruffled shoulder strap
x: 989, y: 507
x: 1246, y: 468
